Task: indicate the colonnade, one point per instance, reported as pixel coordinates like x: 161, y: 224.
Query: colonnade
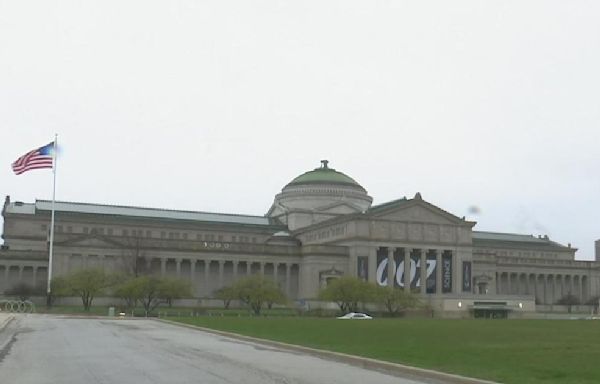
x: 216, y: 273
x: 547, y: 288
x: 11, y: 274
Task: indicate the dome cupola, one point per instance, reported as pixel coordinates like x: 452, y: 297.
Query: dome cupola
x: 318, y: 195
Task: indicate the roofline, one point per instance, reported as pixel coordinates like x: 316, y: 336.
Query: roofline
x: 71, y: 208
x: 149, y: 208
x: 527, y: 238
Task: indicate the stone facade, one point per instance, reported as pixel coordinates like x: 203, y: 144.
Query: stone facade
x: 320, y: 227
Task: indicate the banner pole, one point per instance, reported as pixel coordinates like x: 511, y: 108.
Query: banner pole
x: 50, y: 252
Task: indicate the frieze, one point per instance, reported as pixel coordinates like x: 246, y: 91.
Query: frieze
x: 415, y: 232
x: 431, y: 232
x: 381, y: 230
x: 326, y: 233
x: 447, y: 234
x: 398, y: 231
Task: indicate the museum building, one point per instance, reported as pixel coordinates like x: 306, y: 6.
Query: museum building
x: 321, y: 226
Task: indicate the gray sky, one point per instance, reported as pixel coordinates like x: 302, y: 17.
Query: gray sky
x: 216, y: 105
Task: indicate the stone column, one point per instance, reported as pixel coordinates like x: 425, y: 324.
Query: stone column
x: 554, y: 290
x: 391, y: 267
x: 407, y: 252
x: 163, y: 267
x: 148, y: 264
x: 508, y: 284
x: 457, y: 273
x: 372, y: 265
x: 34, y: 282
x: 498, y: 277
x: 275, y: 266
x: 423, y: 269
x: 248, y: 268
x: 438, y: 271
x: 207, y: 277
x: 235, y: 270
x: 192, y: 270
x: 20, y: 276
x: 262, y: 269
x: 571, y: 285
x: 288, y: 276
x: 221, y: 266
x: 546, y: 290
x: 178, y: 268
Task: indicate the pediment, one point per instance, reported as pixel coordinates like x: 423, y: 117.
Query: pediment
x: 415, y: 211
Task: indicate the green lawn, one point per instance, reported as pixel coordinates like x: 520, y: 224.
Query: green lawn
x: 508, y: 351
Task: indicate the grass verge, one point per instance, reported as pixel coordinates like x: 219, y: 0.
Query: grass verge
x: 507, y: 351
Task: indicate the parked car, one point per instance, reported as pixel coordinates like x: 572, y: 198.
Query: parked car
x: 355, y: 316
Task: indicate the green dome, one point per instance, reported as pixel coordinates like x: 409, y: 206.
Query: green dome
x: 324, y: 175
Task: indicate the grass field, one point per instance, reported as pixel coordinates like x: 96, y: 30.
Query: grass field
x: 508, y: 351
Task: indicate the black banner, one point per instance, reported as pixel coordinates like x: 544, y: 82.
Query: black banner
x: 399, y: 272
x: 382, y: 267
x: 431, y: 273
x: 362, y: 267
x: 446, y: 273
x: 466, y: 276
x: 415, y: 271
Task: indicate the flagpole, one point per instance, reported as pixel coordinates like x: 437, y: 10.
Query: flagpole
x: 50, y: 253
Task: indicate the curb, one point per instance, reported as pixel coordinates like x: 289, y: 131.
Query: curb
x: 5, y: 323
x: 395, y: 369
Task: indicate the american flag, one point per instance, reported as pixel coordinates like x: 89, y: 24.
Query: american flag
x: 36, y: 159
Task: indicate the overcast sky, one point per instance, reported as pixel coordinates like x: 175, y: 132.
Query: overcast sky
x: 216, y: 105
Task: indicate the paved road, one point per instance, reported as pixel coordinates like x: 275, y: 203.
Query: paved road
x: 50, y: 349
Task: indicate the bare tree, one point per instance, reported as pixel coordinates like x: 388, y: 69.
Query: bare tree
x: 569, y: 300
x: 134, y: 255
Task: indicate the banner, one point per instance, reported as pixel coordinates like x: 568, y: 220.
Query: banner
x: 466, y: 275
x: 362, y: 267
x: 414, y: 269
x: 382, y: 267
x: 431, y: 274
x: 398, y: 270
x: 446, y: 273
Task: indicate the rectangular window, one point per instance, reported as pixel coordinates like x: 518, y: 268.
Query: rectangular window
x: 233, y: 239
x: 86, y: 230
x: 59, y: 228
x: 125, y: 232
x: 185, y: 236
x: 220, y: 237
x: 110, y: 231
x: 69, y: 229
x: 163, y: 234
x: 148, y: 233
x: 198, y: 236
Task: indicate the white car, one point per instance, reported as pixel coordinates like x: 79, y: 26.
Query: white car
x: 355, y: 316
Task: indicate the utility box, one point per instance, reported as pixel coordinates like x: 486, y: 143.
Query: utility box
x: 111, y: 311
